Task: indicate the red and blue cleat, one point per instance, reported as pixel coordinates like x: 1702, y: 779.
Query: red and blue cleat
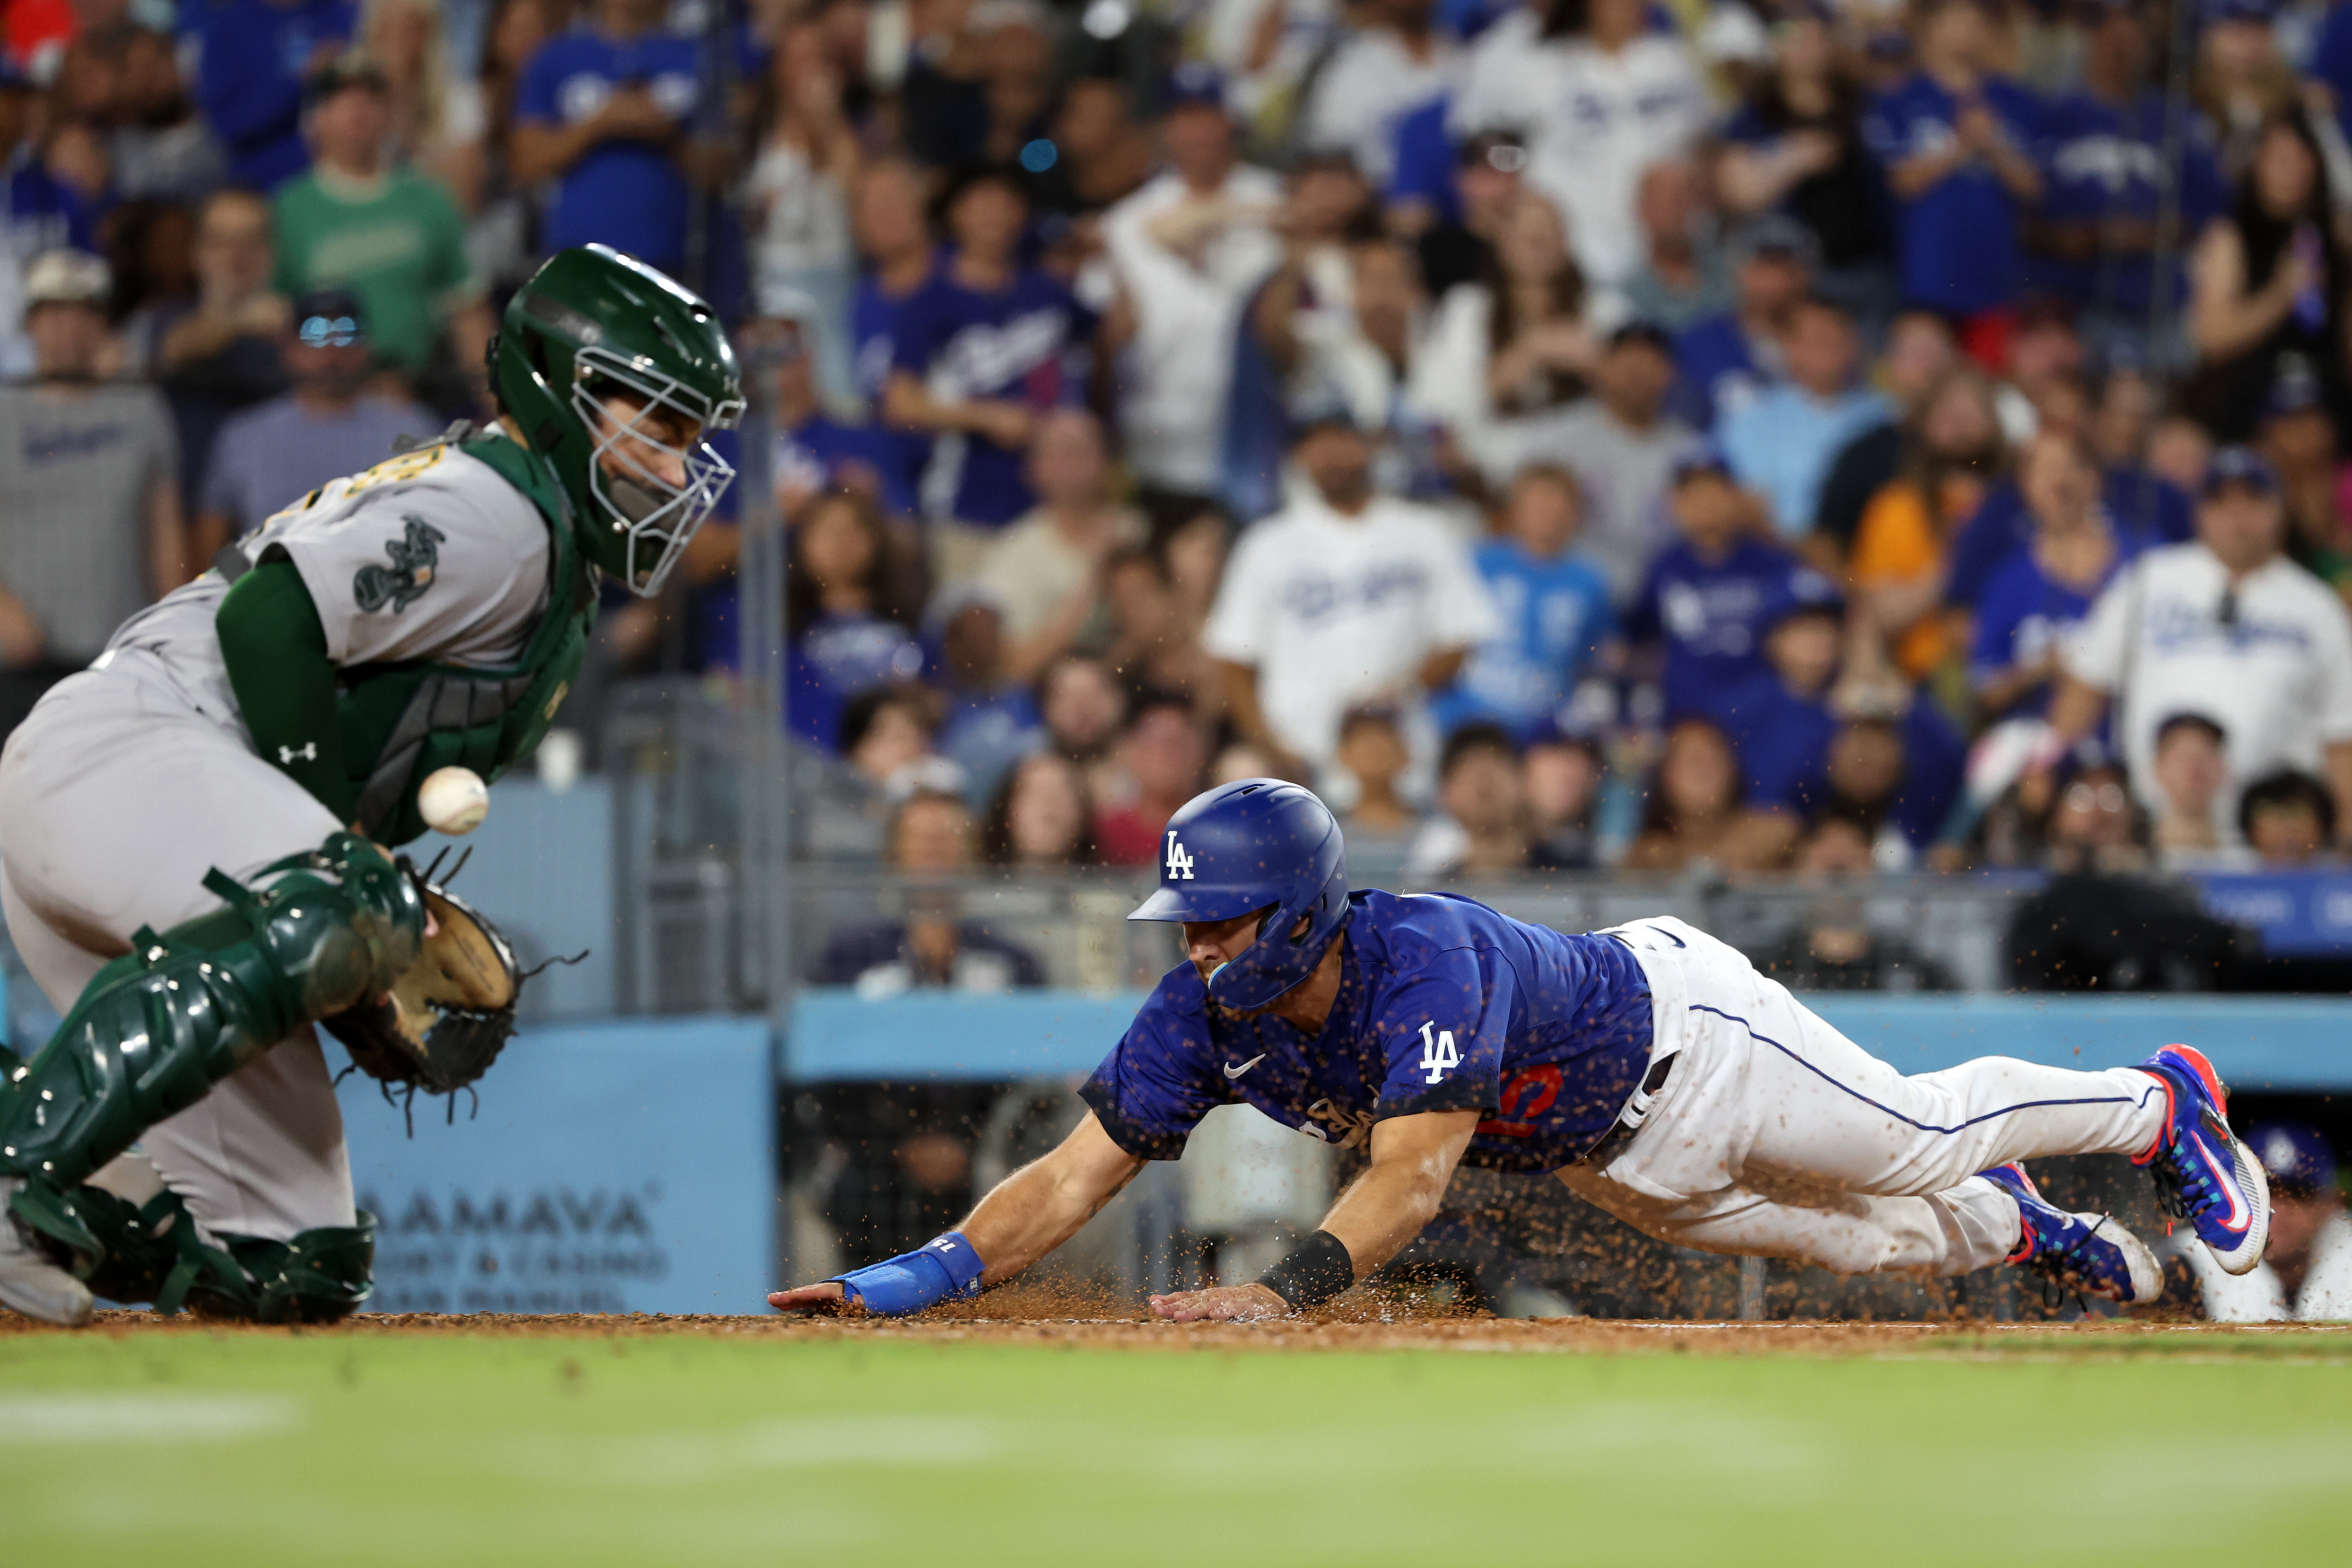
x: 2085, y: 1252
x: 2203, y: 1174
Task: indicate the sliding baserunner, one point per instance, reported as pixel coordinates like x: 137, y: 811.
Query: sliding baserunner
x: 1651, y: 1067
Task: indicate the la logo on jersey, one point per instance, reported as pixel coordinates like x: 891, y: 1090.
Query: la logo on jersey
x: 1180, y: 862
x: 1438, y: 1056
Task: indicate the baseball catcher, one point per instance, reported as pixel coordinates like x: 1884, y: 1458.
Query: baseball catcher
x: 193, y: 831
x: 1651, y: 1067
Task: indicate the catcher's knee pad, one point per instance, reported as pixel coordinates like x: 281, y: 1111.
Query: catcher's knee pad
x: 155, y: 1030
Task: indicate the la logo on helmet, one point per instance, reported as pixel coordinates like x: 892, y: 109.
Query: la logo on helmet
x: 1180, y: 863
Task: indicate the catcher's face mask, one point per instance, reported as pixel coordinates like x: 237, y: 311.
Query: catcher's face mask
x: 652, y: 471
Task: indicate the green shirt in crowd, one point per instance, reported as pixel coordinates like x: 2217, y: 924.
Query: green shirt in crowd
x: 396, y: 242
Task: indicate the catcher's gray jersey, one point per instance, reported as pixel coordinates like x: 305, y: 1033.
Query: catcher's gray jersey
x: 132, y: 778
x: 429, y: 555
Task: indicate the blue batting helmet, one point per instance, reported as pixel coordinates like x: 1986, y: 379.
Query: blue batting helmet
x: 1255, y: 843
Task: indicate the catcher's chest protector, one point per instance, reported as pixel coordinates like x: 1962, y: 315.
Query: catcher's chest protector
x: 404, y: 721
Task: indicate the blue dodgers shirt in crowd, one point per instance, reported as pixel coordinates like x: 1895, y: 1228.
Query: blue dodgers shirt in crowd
x: 985, y: 732
x: 1424, y: 161
x: 1715, y: 371
x: 1958, y: 240
x: 1783, y: 742
x: 1712, y: 616
x: 873, y: 345
x: 1025, y: 343
x: 837, y: 658
x: 2106, y: 163
x: 2023, y: 613
x: 627, y: 195
x: 44, y: 212
x: 2148, y: 510
x: 1556, y: 615
x: 818, y: 454
x: 1443, y: 1004
x: 255, y: 55
x: 821, y: 453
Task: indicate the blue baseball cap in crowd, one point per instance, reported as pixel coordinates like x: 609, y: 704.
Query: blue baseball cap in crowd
x: 1647, y: 333
x: 2259, y: 12
x: 2296, y: 389
x: 1805, y: 594
x: 1778, y: 236
x: 2294, y: 1156
x: 2240, y: 466
x: 1197, y: 84
x: 1701, y: 457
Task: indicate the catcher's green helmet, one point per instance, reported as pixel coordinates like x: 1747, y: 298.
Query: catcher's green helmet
x: 593, y: 324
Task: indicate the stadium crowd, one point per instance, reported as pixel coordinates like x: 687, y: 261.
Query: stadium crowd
x: 1589, y: 433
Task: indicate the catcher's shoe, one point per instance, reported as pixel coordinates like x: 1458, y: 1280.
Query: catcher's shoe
x: 30, y: 1283
x: 2087, y: 1252
x: 2203, y: 1174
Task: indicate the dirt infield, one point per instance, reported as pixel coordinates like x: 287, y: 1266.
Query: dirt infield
x: 1573, y: 1336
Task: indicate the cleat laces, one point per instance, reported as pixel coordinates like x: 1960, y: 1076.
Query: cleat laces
x: 2065, y: 1269
x: 2185, y: 1189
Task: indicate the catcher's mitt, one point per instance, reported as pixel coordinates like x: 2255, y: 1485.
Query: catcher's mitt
x: 449, y: 1017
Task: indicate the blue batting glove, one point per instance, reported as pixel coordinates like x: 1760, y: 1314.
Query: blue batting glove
x: 945, y: 1266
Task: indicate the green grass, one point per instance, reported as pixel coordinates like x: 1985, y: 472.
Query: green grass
x: 251, y: 1450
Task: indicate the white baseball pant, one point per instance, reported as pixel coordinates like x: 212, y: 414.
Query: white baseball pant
x: 1776, y: 1136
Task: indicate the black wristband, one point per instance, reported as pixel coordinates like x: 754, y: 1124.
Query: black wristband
x: 1316, y: 1270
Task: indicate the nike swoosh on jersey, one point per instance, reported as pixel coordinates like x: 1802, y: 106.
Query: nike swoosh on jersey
x: 1233, y: 1071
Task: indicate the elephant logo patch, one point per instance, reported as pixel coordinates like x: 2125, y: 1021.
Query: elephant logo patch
x: 414, y: 557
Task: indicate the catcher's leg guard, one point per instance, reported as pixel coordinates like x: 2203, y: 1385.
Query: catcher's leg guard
x: 121, y: 1250
x: 156, y: 1029
x: 319, y: 1276
x: 156, y: 1252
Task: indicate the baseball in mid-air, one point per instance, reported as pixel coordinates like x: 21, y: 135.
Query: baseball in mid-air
x: 453, y: 800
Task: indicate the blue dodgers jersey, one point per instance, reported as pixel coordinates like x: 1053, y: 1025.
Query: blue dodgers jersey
x: 874, y: 337
x: 627, y: 195
x: 2106, y: 164
x: 1443, y: 1004
x: 1026, y: 344
x: 1712, y: 616
x: 1958, y: 240
x: 2024, y: 614
x: 1715, y: 371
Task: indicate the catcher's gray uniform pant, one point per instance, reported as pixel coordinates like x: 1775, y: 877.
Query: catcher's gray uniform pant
x: 1776, y: 1136
x: 115, y: 798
